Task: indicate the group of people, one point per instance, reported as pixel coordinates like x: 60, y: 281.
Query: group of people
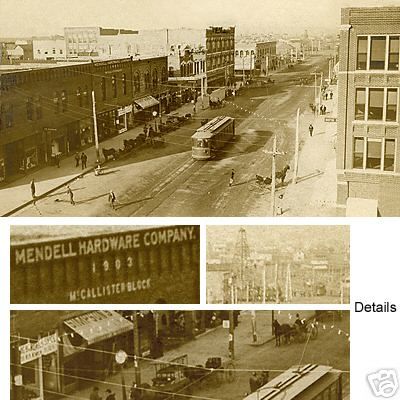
x: 95, y: 394
x: 327, y: 95
x: 256, y: 381
x: 322, y: 109
x: 81, y: 159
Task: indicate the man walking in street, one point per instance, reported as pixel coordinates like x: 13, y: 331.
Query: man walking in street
x: 84, y: 161
x: 77, y: 159
x: 231, y: 180
x: 254, y: 382
x: 112, y: 198
x: 311, y: 129
x: 33, y: 190
x: 71, y: 195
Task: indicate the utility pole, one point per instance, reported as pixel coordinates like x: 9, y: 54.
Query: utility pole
x: 264, y: 283
x: 274, y: 153
x: 96, y: 137
x: 136, y: 349
x: 231, y: 345
x: 296, y: 148
x: 276, y: 284
x: 288, y: 286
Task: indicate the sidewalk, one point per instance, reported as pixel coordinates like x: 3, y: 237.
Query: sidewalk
x: 17, y: 194
x: 214, y: 343
x: 314, y: 194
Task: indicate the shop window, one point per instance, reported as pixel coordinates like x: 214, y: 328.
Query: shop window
x: 124, y: 84
x: 374, y: 148
x: 29, y: 108
x: 375, y: 104
x: 103, y: 89
x: 377, y: 51
x: 362, y: 46
x: 79, y: 96
x: 56, y: 102
x: 393, y: 63
x: 360, y: 104
x: 64, y: 101
x: 391, y: 105
x: 114, y: 85
x: 388, y: 162
x: 358, y: 153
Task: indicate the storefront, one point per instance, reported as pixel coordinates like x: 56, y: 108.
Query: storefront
x: 124, y: 120
x: 107, y: 125
x: 86, y: 132
x: 144, y: 108
x: 89, y: 344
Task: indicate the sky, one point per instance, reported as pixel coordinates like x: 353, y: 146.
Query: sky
x: 24, y: 18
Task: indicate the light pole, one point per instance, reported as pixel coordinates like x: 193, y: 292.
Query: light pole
x: 120, y: 358
x: 155, y: 120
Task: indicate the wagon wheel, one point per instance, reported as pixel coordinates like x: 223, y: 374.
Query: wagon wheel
x: 230, y: 373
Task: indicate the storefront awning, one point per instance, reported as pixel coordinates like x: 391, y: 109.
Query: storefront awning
x: 146, y: 102
x: 99, y: 325
x: 357, y: 207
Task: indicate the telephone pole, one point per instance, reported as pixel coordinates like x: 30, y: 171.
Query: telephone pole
x: 296, y: 148
x: 136, y: 349
x: 231, y: 336
x: 96, y: 136
x: 274, y: 153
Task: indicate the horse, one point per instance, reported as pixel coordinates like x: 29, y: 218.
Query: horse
x: 282, y: 174
x: 110, y: 153
x: 284, y: 330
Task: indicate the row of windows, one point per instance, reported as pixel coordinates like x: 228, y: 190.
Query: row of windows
x: 376, y: 154
x: 220, y: 44
x: 244, y: 53
x: 376, y: 104
x: 378, y: 52
x: 219, y: 60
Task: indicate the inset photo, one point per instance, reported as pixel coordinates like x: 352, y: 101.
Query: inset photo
x: 278, y: 264
x: 105, y: 264
x: 180, y: 355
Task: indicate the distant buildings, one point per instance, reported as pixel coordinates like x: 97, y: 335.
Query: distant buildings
x: 266, y: 60
x: 368, y: 150
x: 49, y: 48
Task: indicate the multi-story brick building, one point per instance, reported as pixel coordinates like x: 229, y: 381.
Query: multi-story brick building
x: 368, y: 151
x: 48, y: 111
x: 266, y: 58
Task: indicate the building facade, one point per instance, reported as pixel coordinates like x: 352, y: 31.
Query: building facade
x: 266, y: 58
x: 49, y: 48
x: 48, y: 112
x: 368, y: 151
x: 245, y: 60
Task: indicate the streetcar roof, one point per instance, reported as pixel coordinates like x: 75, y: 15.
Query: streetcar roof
x: 207, y: 130
x: 294, y: 381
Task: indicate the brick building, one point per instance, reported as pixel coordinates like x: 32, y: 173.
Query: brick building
x: 48, y: 111
x: 368, y: 151
x: 266, y: 58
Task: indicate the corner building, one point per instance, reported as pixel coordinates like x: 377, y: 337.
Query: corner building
x: 368, y: 151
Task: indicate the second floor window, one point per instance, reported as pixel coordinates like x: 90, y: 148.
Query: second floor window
x: 103, y: 89
x: 124, y: 84
x: 394, y: 49
x: 29, y: 108
x: 377, y: 52
x: 64, y: 100
x: 374, y: 154
x: 114, y: 85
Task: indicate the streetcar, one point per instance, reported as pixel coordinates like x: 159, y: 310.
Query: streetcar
x: 212, y: 136
x: 307, y: 382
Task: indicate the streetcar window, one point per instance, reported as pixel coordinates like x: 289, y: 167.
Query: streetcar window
x: 200, y: 143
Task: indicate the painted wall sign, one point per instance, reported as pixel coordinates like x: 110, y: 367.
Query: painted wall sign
x: 32, y: 351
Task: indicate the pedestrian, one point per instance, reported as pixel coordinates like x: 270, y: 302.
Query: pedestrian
x: 254, y: 382
x: 311, y: 129
x: 331, y: 94
x: 194, y: 108
x: 94, y: 395
x: 145, y: 130
x: 264, y: 377
x: 110, y: 395
x: 84, y: 160
x: 58, y: 160
x: 33, y: 189
x: 321, y: 110
x: 71, y: 195
x: 77, y: 159
x: 232, y: 178
x: 112, y: 198
x: 324, y: 109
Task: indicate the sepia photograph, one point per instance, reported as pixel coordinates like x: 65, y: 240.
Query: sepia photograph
x: 278, y: 264
x: 160, y: 355
x: 212, y: 108
x: 105, y: 264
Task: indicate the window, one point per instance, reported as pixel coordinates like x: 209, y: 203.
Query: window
x: 56, y: 102
x: 374, y: 148
x: 136, y: 82
x: 375, y: 104
x: 378, y: 52
x: 388, y: 163
x: 114, y: 85
x: 85, y: 96
x: 393, y: 63
x: 79, y: 96
x: 124, y: 83
x: 54, y: 51
x: 360, y: 104
x: 61, y: 51
x: 391, y: 105
x: 358, y: 153
x: 29, y: 108
x: 362, y: 45
x: 64, y: 100
x: 155, y: 75
x: 103, y: 88
x: 38, y: 107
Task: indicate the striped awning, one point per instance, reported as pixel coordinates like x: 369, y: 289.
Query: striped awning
x: 96, y: 326
x: 146, y: 102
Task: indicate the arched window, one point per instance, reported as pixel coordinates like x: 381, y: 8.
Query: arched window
x: 155, y: 78
x: 164, y: 76
x: 124, y: 84
x: 136, y: 82
x: 103, y: 88
x: 241, y: 53
x: 114, y: 85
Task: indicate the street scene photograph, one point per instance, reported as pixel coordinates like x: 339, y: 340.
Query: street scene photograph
x: 278, y: 264
x: 74, y: 264
x: 215, y: 108
x: 204, y: 355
